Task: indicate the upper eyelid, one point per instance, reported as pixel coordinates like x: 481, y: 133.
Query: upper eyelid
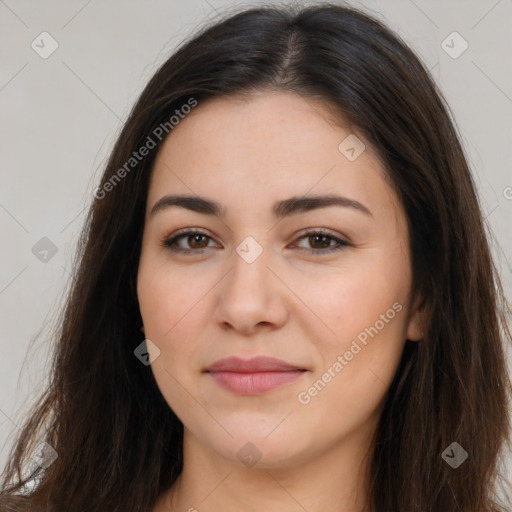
x: 201, y: 231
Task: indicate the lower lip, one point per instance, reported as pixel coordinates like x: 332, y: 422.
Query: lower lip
x: 254, y: 383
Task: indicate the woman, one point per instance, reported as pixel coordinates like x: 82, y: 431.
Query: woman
x: 284, y: 298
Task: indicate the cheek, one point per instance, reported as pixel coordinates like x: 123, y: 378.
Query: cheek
x: 354, y: 298
x: 170, y: 316
x: 175, y: 310
x: 364, y: 308
x: 170, y: 297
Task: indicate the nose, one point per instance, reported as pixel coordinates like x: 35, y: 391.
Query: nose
x: 252, y: 296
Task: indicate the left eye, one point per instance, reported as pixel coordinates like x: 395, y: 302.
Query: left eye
x: 323, y: 239
x: 191, y: 236
x: 198, y: 241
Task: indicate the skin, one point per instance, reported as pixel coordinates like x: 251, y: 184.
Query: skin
x: 305, y: 309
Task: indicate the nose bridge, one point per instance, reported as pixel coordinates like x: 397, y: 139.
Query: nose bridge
x: 250, y: 293
x: 250, y: 260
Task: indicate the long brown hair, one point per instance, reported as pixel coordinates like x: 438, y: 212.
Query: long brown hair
x: 119, y: 444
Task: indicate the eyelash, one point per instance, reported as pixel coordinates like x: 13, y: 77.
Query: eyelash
x: 167, y: 243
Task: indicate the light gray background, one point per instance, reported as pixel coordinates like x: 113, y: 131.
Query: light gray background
x: 60, y: 116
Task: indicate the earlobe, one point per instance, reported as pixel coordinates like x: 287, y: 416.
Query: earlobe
x: 415, y: 327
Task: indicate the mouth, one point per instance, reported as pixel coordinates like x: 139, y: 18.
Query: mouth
x: 254, y: 376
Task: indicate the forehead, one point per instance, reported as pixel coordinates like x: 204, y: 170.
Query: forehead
x: 255, y: 150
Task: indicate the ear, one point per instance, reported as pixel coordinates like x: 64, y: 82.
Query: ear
x: 416, y: 324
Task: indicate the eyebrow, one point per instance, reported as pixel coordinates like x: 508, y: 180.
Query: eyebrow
x: 280, y: 209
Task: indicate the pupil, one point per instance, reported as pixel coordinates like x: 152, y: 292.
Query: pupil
x: 196, y: 237
x: 316, y: 237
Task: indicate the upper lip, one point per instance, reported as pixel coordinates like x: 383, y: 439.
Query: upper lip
x: 253, y: 365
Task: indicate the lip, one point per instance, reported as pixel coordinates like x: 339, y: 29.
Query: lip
x: 252, y: 365
x: 253, y: 376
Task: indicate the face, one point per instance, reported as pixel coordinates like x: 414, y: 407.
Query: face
x: 324, y: 287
